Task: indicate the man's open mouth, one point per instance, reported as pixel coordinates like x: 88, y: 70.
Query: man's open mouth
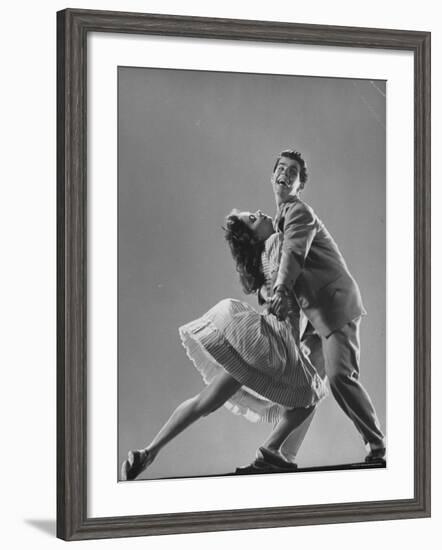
x: 282, y: 182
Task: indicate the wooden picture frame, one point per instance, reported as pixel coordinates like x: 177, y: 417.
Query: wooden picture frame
x: 73, y: 27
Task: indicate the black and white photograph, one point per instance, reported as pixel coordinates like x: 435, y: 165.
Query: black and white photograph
x: 219, y: 237
x: 251, y: 273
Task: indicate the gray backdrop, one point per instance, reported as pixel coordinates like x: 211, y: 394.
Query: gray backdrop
x: 192, y: 145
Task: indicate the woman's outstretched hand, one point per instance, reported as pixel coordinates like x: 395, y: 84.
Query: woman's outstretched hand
x: 279, y: 304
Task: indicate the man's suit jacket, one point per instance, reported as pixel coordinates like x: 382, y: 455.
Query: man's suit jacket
x: 314, y: 269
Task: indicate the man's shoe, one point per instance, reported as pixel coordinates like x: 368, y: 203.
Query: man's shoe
x: 376, y: 456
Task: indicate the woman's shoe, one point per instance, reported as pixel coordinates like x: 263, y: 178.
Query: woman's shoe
x: 270, y: 461
x: 137, y: 462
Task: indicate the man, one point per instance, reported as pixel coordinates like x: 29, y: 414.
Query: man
x: 313, y: 268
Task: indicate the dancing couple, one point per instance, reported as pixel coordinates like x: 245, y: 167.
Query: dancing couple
x: 255, y: 362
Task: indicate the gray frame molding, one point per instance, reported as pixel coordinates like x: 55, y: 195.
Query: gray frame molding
x: 73, y: 27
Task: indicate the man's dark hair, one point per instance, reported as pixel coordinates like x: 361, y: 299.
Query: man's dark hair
x: 294, y: 155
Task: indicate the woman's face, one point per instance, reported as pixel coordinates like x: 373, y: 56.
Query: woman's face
x: 259, y: 223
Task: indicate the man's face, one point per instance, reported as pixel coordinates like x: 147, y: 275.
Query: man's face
x: 285, y: 179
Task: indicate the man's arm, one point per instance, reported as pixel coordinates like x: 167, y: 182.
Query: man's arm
x: 299, y: 231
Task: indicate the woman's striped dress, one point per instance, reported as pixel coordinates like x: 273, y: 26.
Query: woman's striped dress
x: 259, y: 351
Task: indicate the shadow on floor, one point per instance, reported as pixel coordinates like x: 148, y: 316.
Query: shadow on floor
x: 47, y: 526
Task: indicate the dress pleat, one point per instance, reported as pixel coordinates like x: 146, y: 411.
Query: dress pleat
x: 256, y: 349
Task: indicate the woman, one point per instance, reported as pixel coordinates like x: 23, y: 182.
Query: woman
x: 251, y: 362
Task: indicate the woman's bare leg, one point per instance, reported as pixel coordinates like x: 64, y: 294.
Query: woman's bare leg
x: 208, y: 400
x: 289, y: 421
x: 292, y: 444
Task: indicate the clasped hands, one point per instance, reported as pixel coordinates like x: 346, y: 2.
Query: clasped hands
x: 279, y: 304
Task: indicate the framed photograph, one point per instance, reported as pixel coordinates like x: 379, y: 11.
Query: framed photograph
x: 243, y: 274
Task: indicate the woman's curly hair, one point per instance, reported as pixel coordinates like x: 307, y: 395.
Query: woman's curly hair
x: 246, y: 252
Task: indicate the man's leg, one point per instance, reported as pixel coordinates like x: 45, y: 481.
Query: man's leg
x: 341, y: 352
